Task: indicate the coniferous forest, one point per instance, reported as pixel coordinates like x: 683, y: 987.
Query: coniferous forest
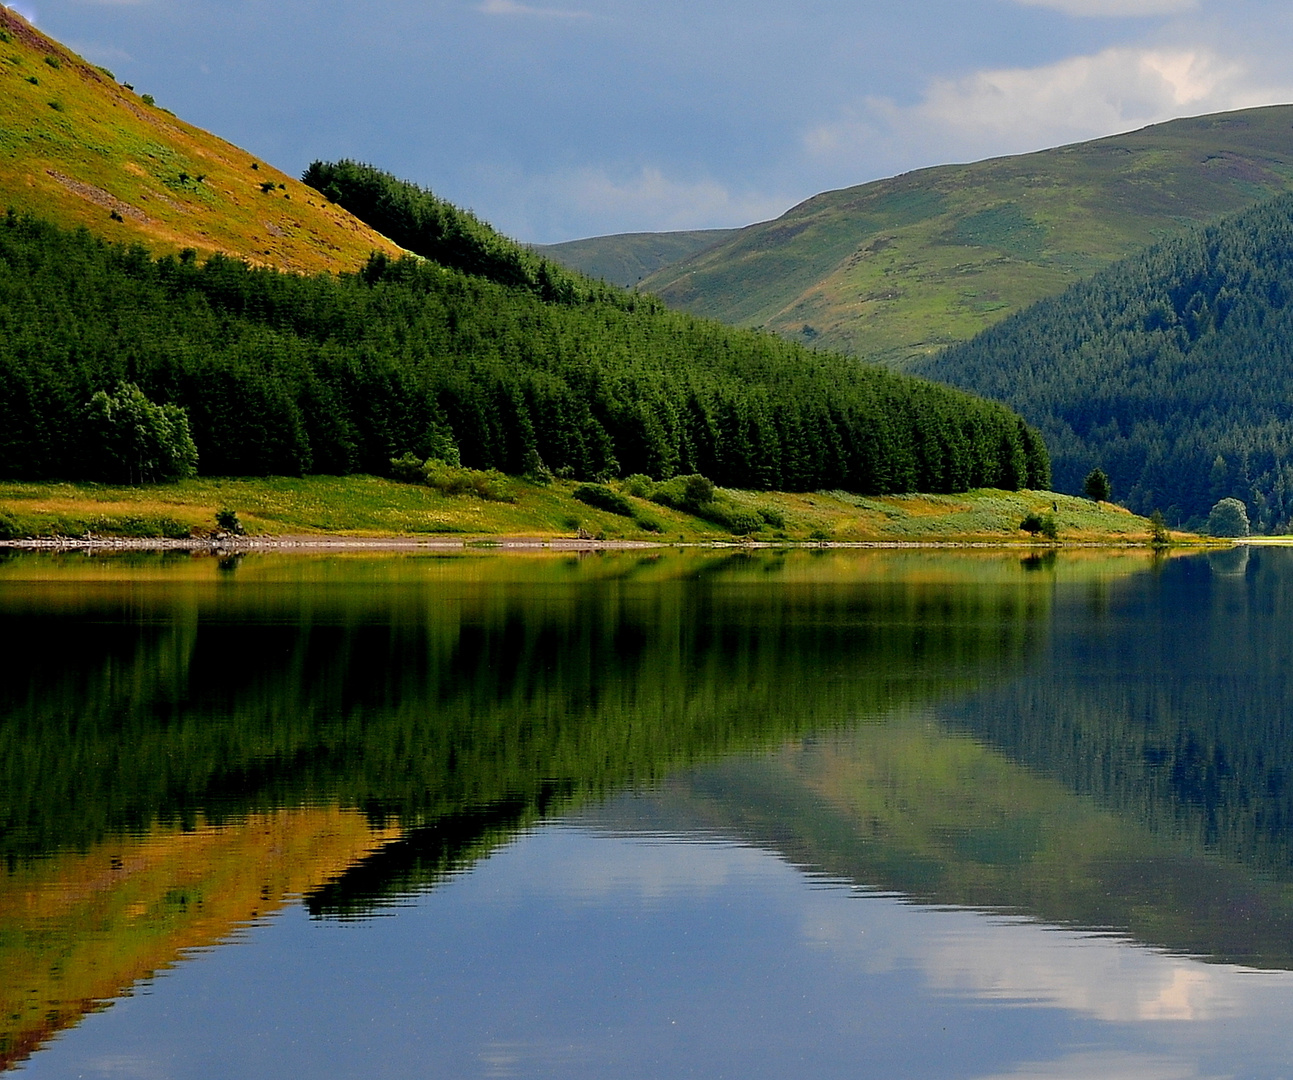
x: 489, y: 353
x: 1172, y: 371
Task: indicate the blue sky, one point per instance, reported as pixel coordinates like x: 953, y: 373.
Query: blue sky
x: 556, y: 119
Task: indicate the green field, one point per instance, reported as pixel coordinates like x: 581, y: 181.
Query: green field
x: 896, y: 269
x: 369, y: 506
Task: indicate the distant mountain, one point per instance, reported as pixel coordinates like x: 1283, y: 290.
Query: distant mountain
x: 1172, y: 371
x: 78, y: 149
x: 897, y: 269
x: 626, y: 258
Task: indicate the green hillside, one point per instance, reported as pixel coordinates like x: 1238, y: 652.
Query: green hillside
x: 254, y: 372
x: 478, y: 354
x: 626, y: 258
x: 899, y: 268
x: 79, y: 149
x: 1172, y: 371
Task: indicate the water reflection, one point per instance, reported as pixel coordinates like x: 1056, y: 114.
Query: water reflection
x: 1076, y: 742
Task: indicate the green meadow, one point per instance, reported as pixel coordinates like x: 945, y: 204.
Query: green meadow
x: 370, y: 506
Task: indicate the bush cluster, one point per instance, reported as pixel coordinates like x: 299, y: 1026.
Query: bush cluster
x: 488, y: 484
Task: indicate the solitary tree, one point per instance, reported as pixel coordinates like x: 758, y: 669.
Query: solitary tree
x: 1159, y: 536
x: 1228, y: 518
x: 1096, y: 486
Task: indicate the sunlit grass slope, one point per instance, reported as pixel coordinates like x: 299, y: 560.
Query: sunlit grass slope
x: 78, y: 149
x: 899, y: 268
x: 375, y: 507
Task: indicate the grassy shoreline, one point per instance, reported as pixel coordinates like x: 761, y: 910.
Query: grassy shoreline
x: 377, y: 509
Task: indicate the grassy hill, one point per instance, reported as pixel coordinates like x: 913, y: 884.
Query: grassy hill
x: 78, y: 149
x: 899, y: 268
x: 626, y: 258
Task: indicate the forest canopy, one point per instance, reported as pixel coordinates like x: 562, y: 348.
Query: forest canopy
x: 1171, y: 371
x: 285, y: 374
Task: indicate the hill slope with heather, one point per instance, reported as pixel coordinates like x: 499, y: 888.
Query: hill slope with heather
x: 1172, y: 371
x: 77, y: 149
x: 897, y: 269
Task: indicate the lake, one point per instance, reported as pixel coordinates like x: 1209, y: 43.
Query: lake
x: 824, y: 813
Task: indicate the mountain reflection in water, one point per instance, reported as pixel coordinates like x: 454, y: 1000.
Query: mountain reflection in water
x: 1091, y: 742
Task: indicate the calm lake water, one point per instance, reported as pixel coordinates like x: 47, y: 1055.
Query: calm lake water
x: 817, y: 814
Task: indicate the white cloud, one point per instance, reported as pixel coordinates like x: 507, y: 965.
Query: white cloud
x: 100, y: 54
x: 511, y: 7
x: 664, y: 204
x: 579, y: 865
x: 1027, y: 964
x: 1011, y: 110
x: 590, y: 201
x: 1106, y: 1065
x: 1126, y: 9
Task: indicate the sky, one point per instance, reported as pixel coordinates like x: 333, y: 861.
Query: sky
x: 559, y: 119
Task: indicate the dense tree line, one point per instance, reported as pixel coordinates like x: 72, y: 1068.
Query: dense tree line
x: 1172, y: 371
x: 285, y: 374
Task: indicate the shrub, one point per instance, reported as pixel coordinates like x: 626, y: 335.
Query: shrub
x: 638, y: 485
x: 10, y: 527
x: 490, y: 485
x: 603, y: 498
x: 743, y: 522
x: 772, y: 516
x: 267, y: 186
x: 54, y: 62
x: 227, y: 519
x: 147, y: 99
x: 1032, y: 523
x: 690, y: 493
x: 1049, y: 529
x: 408, y: 469
x: 648, y: 524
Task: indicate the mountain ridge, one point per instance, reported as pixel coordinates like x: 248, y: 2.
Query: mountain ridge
x: 625, y: 259
x: 899, y: 268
